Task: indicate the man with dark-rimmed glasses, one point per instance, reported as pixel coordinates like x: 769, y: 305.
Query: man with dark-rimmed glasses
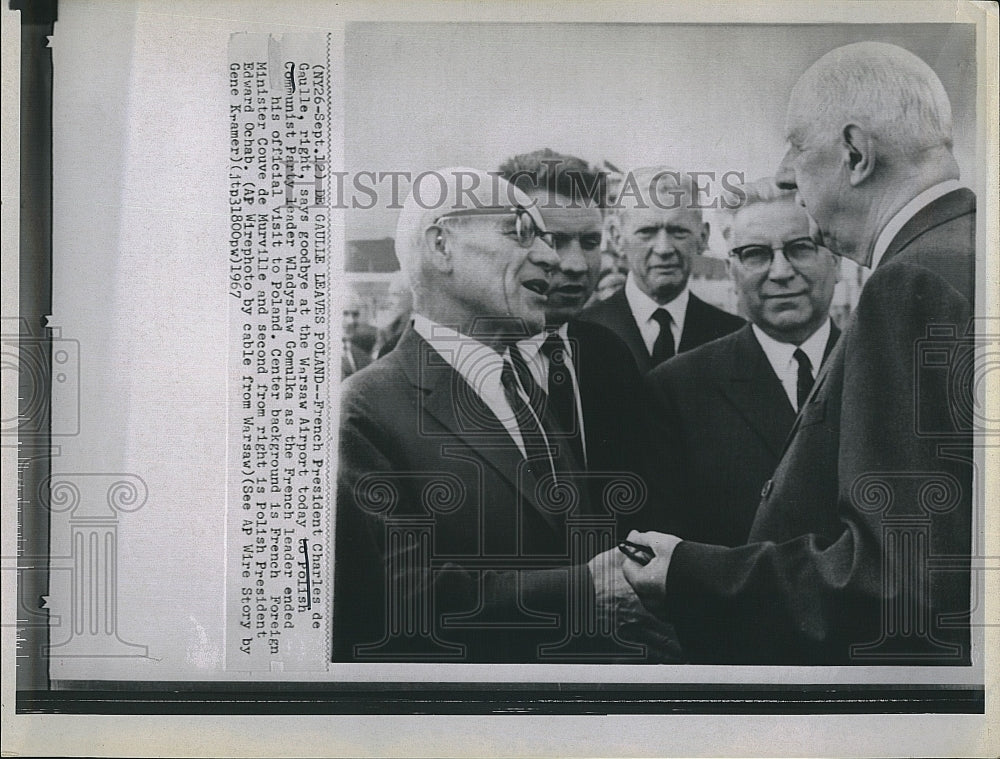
x: 726, y: 407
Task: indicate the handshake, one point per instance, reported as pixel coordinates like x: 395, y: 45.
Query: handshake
x: 629, y: 584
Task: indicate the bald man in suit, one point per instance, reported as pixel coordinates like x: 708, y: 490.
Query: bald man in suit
x: 860, y: 549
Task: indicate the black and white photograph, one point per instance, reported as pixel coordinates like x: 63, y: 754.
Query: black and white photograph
x: 527, y: 426
x: 556, y: 379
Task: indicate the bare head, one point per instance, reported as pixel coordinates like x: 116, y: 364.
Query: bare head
x: 658, y: 228
x: 869, y: 128
x: 472, y: 247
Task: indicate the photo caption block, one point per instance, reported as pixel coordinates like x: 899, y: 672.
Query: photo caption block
x: 278, y: 511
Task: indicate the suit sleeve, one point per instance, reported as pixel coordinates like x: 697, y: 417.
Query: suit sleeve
x: 668, y: 482
x: 382, y: 557
x: 811, y: 588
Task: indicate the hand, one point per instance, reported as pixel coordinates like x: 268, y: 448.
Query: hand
x: 612, y: 589
x: 619, y: 609
x: 649, y: 581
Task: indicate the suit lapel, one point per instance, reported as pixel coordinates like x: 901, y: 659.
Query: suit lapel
x: 622, y: 321
x: 566, y: 452
x: 831, y: 341
x: 752, y: 387
x: 694, y: 324
x: 445, y: 396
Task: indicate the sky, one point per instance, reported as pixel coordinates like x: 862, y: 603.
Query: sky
x: 699, y: 97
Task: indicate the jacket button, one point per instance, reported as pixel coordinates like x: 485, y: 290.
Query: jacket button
x: 766, y: 490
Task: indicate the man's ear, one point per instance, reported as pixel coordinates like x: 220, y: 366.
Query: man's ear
x: 859, y: 153
x: 437, y: 246
x: 705, y: 231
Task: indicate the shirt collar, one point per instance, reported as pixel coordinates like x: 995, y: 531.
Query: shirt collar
x: 906, y: 213
x: 531, y: 346
x: 466, y: 355
x: 643, y: 306
x: 779, y: 354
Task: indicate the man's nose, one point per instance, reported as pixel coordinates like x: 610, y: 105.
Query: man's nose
x: 780, y: 269
x: 543, y: 255
x: 785, y: 176
x: 661, y: 243
x: 572, y: 260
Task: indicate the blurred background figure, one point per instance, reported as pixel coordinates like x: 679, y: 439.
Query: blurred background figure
x: 611, y: 278
x: 400, y: 299
x: 358, y: 338
x: 660, y: 231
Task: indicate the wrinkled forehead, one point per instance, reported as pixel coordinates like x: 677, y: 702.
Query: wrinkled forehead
x: 782, y: 219
x: 455, y: 189
x: 530, y: 205
x: 502, y: 197
x: 563, y: 214
x: 677, y: 213
x: 800, y: 116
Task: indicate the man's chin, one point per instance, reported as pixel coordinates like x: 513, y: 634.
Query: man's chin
x: 666, y: 292
x: 559, y: 315
x: 534, y: 321
x: 792, y: 326
x: 860, y: 254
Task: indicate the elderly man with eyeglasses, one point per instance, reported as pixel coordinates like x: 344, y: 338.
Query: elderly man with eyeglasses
x: 726, y: 407
x: 456, y: 497
x: 860, y: 549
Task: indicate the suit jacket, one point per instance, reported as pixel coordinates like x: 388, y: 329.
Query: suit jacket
x: 860, y: 549
x: 616, y: 421
x: 702, y: 323
x: 447, y: 546
x: 359, y: 357
x: 723, y: 416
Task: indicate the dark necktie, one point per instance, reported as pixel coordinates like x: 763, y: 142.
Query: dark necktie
x: 527, y: 417
x: 536, y: 396
x: 804, y: 383
x: 664, y: 347
x: 349, y: 355
x: 562, y: 396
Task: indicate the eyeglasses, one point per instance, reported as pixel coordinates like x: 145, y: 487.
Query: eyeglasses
x: 799, y: 252
x: 587, y: 240
x: 525, y: 228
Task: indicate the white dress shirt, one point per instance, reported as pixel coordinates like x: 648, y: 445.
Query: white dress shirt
x: 781, y: 357
x: 667, y: 543
x: 643, y: 306
x: 478, y: 364
x: 906, y: 213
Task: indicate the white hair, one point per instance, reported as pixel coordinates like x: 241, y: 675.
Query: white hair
x: 886, y: 90
x: 764, y: 190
